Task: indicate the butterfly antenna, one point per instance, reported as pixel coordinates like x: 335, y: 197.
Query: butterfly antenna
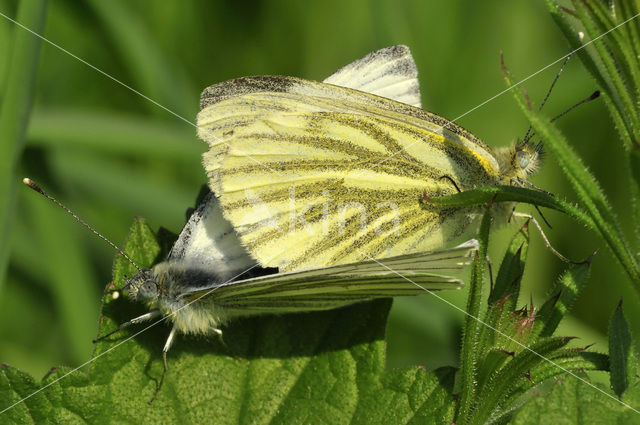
x: 38, y: 189
x: 591, y: 97
x: 529, y: 135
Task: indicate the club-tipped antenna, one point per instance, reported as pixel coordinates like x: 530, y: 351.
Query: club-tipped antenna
x: 528, y: 135
x: 592, y: 96
x: 38, y: 189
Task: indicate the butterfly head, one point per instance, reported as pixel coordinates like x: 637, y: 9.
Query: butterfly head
x: 142, y: 286
x: 519, y: 161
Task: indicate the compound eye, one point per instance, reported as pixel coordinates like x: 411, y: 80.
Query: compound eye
x: 148, y: 289
x: 523, y: 159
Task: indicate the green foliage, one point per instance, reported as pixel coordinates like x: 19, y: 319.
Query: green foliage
x: 469, y: 357
x: 613, y: 62
x: 111, y: 154
x: 483, y: 195
x: 511, y: 270
x: 563, y: 296
x: 507, y: 351
x: 624, y: 363
x: 569, y: 401
x: 17, y: 92
x: 324, y: 367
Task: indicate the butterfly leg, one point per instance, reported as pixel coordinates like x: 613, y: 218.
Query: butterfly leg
x: 446, y: 177
x: 513, y: 210
x: 218, y: 332
x: 147, y: 316
x: 544, y: 237
x: 490, y: 268
x: 525, y: 182
x: 167, y: 346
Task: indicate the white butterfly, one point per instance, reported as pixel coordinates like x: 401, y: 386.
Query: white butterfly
x: 317, y: 174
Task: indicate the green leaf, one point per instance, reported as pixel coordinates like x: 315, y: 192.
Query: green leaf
x: 569, y: 401
x: 574, y: 359
x: 545, y: 374
x: 623, y: 359
x: 470, y: 354
x: 562, y: 298
x: 321, y: 368
x: 485, y: 194
x: 407, y: 396
x: 500, y: 315
x: 613, y: 61
x: 512, y: 268
x: 506, y: 381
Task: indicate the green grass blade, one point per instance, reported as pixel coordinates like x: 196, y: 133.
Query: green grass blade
x: 67, y: 275
x: 7, y: 29
x: 622, y: 354
x: 612, y: 66
x: 113, y: 186
x: 14, y: 116
x: 586, y: 187
x: 589, y: 61
x: 119, y: 134
x: 156, y: 75
x: 615, y: 46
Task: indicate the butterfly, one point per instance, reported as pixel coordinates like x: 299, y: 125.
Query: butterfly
x: 208, y: 279
x: 316, y: 174
x: 321, y: 137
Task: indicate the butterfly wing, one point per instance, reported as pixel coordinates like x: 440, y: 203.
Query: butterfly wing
x: 208, y: 242
x: 307, y: 171
x: 389, y: 72
x: 336, y: 286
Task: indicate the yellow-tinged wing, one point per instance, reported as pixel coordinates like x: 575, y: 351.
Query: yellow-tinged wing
x: 311, y: 174
x: 336, y: 286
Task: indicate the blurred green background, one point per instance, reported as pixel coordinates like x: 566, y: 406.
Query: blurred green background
x: 110, y: 154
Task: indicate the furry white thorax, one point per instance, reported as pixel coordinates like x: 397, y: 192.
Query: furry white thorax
x: 169, y: 282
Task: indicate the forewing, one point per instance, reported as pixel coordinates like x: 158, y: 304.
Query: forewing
x: 389, y: 72
x: 208, y: 242
x: 336, y: 286
x: 311, y: 174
